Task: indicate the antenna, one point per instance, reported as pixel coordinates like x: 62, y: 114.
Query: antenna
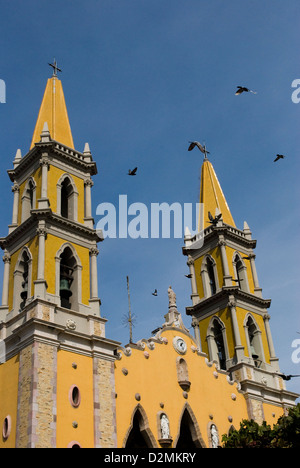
x: 129, y: 319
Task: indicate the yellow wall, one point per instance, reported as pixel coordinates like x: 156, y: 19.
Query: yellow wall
x: 82, y: 377
x: 9, y: 375
x: 155, y: 379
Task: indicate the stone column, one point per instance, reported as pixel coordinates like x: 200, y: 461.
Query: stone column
x: 273, y: 358
x: 195, y: 296
x: 88, y: 218
x: 16, y: 191
x: 257, y: 289
x: 94, y: 300
x: 43, y: 202
x: 40, y: 283
x: 195, y: 325
x: 227, y: 277
x: 239, y: 349
x: 6, y: 260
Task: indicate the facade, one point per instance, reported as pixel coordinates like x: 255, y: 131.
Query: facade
x: 63, y: 383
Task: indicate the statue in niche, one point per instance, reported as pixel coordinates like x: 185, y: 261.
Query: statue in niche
x: 214, y: 436
x: 164, y: 426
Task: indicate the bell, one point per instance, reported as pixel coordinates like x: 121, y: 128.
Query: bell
x: 64, y: 287
x: 65, y: 293
x: 24, y: 292
x: 253, y: 352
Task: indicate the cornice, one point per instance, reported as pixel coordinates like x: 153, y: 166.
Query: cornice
x: 62, y: 152
x: 223, y: 297
x: 50, y: 218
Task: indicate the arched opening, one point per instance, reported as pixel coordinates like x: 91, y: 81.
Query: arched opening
x: 189, y: 436
x: 254, y: 342
x: 211, y: 276
x: 22, y: 280
x: 216, y: 339
x: 24, y: 265
x: 138, y: 437
x: 66, y: 281
x: 241, y: 273
x: 28, y: 199
x: 66, y: 193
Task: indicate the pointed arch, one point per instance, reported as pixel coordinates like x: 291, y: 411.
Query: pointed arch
x: 254, y: 340
x: 139, y: 434
x: 28, y: 199
x: 240, y: 271
x: 68, y: 269
x: 217, y: 342
x: 22, y: 279
x: 67, y: 197
x: 189, y: 434
x: 209, y: 275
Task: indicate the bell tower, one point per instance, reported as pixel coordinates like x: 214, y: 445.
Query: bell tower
x: 229, y: 314
x: 50, y: 323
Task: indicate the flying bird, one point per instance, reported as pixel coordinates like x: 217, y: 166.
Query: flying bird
x: 189, y: 275
x: 199, y: 146
x: 154, y: 293
x: 213, y: 220
x: 237, y: 280
x: 242, y: 89
x: 132, y: 172
x: 288, y: 377
x: 279, y: 156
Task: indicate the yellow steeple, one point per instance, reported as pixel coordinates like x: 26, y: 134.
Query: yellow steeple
x: 212, y: 197
x: 53, y: 111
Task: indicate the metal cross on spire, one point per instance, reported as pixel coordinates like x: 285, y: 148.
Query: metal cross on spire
x: 55, y: 67
x: 200, y: 147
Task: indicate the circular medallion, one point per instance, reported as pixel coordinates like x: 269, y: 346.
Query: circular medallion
x: 179, y: 345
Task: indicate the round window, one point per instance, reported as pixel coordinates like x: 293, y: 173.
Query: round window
x: 74, y: 396
x: 6, y: 429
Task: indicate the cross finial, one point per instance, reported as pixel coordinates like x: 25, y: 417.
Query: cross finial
x: 55, y: 67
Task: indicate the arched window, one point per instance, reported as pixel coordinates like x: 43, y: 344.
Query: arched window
x: 67, y: 277
x: 189, y: 433
x: 67, y: 198
x: 216, y: 339
x: 139, y: 435
x: 254, y: 342
x: 28, y: 199
x: 209, y: 276
x: 241, y: 273
x: 22, y: 280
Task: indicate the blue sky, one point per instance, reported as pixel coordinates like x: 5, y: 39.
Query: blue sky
x: 143, y: 77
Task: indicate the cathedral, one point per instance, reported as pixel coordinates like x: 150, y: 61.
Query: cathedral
x: 63, y: 383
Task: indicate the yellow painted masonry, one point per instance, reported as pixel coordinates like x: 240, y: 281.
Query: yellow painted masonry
x: 74, y: 424
x: 152, y: 383
x: 53, y: 244
x: 9, y: 374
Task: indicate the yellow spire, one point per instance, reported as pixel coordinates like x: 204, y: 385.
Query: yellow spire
x: 212, y: 197
x: 53, y: 111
